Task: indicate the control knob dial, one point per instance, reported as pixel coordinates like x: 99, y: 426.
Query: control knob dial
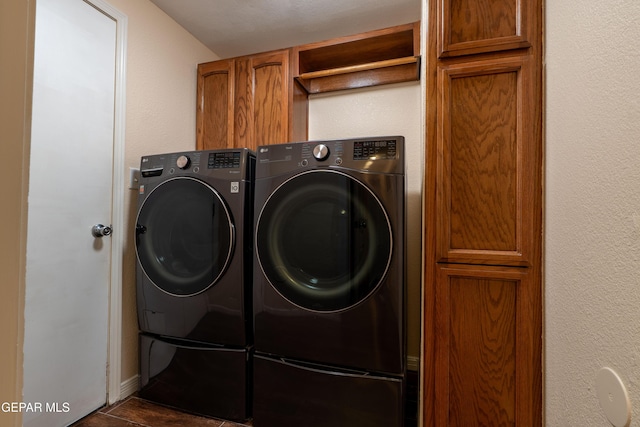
x: 321, y: 152
x: 183, y: 162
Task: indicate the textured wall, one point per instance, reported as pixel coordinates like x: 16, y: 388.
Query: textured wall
x: 384, y: 110
x: 161, y: 117
x: 592, y: 236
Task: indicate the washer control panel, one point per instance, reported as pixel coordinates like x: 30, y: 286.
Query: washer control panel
x: 224, y: 160
x: 219, y: 162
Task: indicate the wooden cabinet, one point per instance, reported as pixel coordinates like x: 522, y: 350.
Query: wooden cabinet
x: 215, y: 110
x: 483, y: 223
x: 487, y: 170
x: 249, y: 101
x: 487, y: 369
x: 262, y: 99
x: 476, y: 26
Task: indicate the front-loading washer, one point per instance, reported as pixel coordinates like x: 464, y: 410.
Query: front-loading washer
x: 193, y: 280
x: 329, y: 271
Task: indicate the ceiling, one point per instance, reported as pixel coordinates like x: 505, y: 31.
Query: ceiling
x: 239, y: 27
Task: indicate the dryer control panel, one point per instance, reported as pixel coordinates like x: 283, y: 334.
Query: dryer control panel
x: 374, y: 149
x: 375, y: 154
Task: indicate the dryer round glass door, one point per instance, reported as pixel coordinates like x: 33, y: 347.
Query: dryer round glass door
x: 323, y: 240
x: 184, y: 236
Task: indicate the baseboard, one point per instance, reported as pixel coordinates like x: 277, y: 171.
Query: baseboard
x: 130, y: 386
x: 413, y: 363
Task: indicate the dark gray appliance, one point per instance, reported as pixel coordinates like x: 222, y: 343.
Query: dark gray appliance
x: 329, y: 322
x: 194, y: 271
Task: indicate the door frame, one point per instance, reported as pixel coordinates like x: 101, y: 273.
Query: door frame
x: 114, y: 356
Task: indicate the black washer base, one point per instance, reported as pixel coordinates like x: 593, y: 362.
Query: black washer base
x: 287, y: 394
x: 205, y: 380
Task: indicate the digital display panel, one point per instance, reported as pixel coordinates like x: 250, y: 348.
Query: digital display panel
x: 224, y: 160
x: 374, y: 150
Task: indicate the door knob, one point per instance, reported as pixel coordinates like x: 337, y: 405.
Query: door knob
x: 100, y: 230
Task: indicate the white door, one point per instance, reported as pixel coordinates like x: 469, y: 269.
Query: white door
x: 70, y: 190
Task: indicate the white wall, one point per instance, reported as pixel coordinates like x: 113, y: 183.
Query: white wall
x: 384, y: 110
x: 162, y: 60
x: 592, y: 235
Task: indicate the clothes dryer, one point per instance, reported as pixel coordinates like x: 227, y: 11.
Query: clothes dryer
x: 194, y: 272
x: 329, y: 283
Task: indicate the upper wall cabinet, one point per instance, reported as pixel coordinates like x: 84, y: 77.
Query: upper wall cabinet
x: 476, y: 26
x: 215, y: 110
x: 249, y: 101
x: 262, y: 99
x: 390, y: 55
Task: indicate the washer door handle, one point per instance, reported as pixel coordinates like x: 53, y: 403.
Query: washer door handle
x: 100, y: 230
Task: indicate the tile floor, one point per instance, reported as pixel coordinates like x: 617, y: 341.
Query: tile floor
x: 137, y: 412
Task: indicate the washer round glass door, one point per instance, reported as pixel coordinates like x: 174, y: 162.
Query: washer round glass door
x: 324, y: 240
x: 184, y: 236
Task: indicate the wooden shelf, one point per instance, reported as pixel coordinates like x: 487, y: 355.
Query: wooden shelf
x: 391, y: 55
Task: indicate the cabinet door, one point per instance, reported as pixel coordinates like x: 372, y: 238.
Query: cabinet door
x: 476, y: 26
x: 488, y: 346
x: 261, y: 114
x: 487, y: 162
x: 214, y: 112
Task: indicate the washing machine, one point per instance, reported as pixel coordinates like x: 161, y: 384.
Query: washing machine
x: 193, y: 242
x: 329, y: 272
